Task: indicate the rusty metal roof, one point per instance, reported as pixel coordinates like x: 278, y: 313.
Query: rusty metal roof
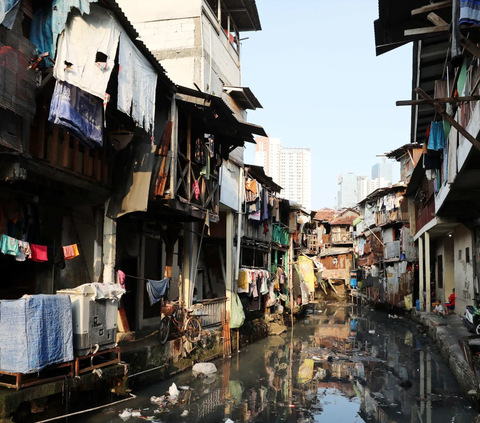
x: 325, y: 214
x: 341, y: 219
x: 399, y: 152
x: 258, y: 173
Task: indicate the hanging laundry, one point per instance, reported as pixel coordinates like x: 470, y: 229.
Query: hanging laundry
x: 24, y: 251
x: 9, y: 245
x: 157, y: 289
x: 137, y: 85
x: 251, y: 185
x: 199, y: 152
x: 436, y: 140
x: 39, y: 253
x: 255, y: 216
x: 84, y: 39
x: 78, y: 112
x: 121, y: 278
x: 70, y: 252
x: 205, y: 170
x: 196, y: 189
x: 469, y: 12
x: 265, y: 205
x: 242, y: 281
x: 8, y: 12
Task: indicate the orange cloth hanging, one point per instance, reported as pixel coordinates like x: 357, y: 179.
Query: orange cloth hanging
x: 70, y: 251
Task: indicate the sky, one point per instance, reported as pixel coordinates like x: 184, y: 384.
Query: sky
x: 314, y: 70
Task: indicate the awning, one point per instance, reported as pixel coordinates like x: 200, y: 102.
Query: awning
x: 244, y: 13
x: 244, y: 97
x: 218, y: 118
x: 259, y: 174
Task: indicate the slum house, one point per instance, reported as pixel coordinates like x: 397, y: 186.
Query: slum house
x: 336, y: 254
x: 257, y: 260
x: 68, y: 117
x: 388, y: 271
x: 57, y: 167
x: 194, y: 40
x: 445, y: 68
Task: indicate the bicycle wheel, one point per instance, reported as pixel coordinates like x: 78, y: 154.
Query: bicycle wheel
x: 193, y: 329
x: 164, y: 329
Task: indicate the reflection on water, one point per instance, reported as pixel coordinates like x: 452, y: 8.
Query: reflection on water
x: 341, y: 364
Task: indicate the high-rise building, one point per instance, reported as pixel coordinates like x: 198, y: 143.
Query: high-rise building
x: 288, y: 167
x: 363, y: 187
x: 382, y: 170
x: 347, y: 192
x: 296, y: 175
x: 267, y: 154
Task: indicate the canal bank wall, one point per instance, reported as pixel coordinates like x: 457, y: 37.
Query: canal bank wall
x: 446, y: 332
x: 144, y: 362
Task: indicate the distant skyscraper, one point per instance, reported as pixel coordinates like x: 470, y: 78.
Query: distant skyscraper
x: 288, y: 167
x: 267, y: 154
x: 363, y: 187
x: 347, y: 192
x: 382, y: 170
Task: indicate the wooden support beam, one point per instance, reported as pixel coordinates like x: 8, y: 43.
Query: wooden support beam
x: 426, y: 30
x: 431, y: 7
x: 438, y: 100
x: 470, y: 46
x: 439, y: 108
x: 436, y: 20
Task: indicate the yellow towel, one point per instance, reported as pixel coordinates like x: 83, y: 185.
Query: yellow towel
x: 242, y: 279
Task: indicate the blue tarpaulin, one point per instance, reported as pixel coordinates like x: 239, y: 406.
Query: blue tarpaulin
x: 35, y: 331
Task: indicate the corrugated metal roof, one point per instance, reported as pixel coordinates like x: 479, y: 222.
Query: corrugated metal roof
x: 341, y: 219
x: 232, y: 127
x: 258, y: 173
x: 401, y: 151
x: 243, y: 96
x: 324, y: 214
x: 244, y: 14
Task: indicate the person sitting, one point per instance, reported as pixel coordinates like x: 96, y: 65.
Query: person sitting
x: 450, y: 304
x: 439, y: 310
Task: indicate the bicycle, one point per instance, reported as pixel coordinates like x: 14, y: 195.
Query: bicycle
x: 182, y: 320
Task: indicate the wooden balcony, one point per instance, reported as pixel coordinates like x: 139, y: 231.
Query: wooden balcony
x: 54, y: 146
x: 341, y: 238
x: 427, y: 214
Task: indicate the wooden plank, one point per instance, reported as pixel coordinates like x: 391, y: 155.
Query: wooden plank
x: 165, y: 141
x: 436, y: 20
x: 426, y: 30
x: 86, y: 160
x: 123, y: 325
x: 95, y: 166
x: 66, y: 149
x: 41, y: 136
x: 431, y: 7
x: 438, y: 100
x: 470, y: 46
x: 103, y: 163
x: 75, y: 156
x: 189, y: 156
x: 53, y: 145
x: 449, y: 119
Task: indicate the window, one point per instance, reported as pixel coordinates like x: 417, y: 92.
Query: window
x: 459, y: 255
x: 440, y: 272
x: 467, y: 254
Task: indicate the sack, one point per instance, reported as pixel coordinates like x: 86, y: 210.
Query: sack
x: 238, y: 315
x: 204, y: 368
x: 408, y: 301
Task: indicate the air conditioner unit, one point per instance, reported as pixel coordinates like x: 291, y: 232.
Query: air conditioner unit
x: 94, y: 315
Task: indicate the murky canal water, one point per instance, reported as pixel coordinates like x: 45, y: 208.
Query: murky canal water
x: 341, y: 364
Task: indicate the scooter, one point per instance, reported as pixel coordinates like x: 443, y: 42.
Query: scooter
x: 472, y: 319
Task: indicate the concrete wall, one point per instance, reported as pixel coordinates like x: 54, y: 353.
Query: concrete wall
x: 464, y: 291
x: 446, y: 250
x: 221, y: 61
x: 229, y: 175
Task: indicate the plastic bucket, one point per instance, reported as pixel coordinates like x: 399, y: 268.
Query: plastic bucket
x: 418, y: 305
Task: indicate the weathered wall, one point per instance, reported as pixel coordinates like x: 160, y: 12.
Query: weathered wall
x: 446, y: 250
x: 464, y: 291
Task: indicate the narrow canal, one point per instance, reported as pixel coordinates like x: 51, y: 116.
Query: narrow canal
x: 339, y: 364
